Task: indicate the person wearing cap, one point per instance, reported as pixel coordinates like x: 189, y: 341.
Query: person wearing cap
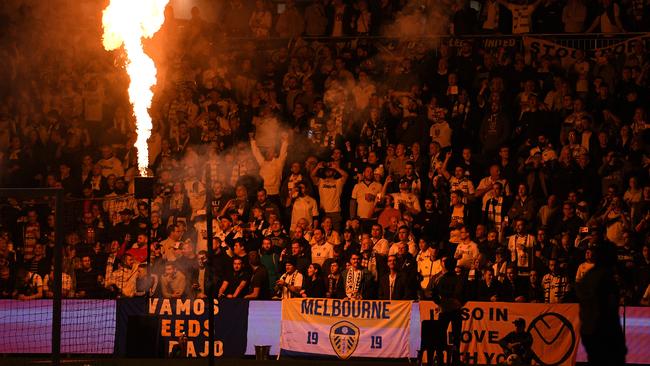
x: 518, y: 343
x: 225, y: 232
x: 405, y: 199
x: 126, y: 229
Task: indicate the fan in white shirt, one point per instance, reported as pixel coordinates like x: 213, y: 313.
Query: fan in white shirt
x: 466, y: 251
x: 521, y: 15
x: 321, y: 250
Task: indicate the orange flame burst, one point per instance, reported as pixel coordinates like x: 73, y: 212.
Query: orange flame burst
x: 127, y: 22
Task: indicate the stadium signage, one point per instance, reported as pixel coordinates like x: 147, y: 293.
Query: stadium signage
x: 185, y: 317
x: 554, y: 328
x: 540, y: 47
x: 487, y: 42
x: 189, y: 318
x: 345, y: 328
x: 344, y: 308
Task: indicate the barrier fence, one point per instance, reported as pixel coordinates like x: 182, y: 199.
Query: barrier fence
x: 157, y: 324
x: 589, y: 42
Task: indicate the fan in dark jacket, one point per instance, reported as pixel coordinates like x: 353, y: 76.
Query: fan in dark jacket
x: 489, y: 288
x: 393, y: 285
x: 313, y: 284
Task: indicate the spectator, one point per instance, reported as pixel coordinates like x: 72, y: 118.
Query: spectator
x: 393, y: 285
x: 66, y: 285
x: 356, y: 282
x: 235, y: 285
x: 291, y: 282
x: 488, y: 289
x: 260, y: 20
x: 29, y: 286
x: 88, y: 280
x: 122, y: 281
x: 330, y: 181
x: 466, y: 251
x: 608, y: 20
x: 316, y: 18
x: 321, y: 250
x: 521, y: 246
x: 173, y: 283
x: 556, y: 285
x: 259, y: 283
x: 290, y: 22
x: 313, y: 285
x: 574, y: 15
x: 521, y: 15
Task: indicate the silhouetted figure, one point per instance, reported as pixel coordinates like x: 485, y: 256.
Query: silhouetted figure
x: 600, y: 327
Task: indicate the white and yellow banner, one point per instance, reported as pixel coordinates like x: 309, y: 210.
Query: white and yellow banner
x: 345, y: 328
x: 540, y: 47
x: 554, y: 328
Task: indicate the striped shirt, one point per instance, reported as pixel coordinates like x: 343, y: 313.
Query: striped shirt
x: 521, y: 15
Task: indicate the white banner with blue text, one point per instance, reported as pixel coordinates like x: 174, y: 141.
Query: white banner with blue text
x: 345, y: 328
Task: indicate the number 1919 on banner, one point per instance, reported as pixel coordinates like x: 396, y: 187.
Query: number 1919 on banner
x: 376, y: 342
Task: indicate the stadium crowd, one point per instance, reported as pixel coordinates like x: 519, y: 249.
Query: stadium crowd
x: 346, y: 167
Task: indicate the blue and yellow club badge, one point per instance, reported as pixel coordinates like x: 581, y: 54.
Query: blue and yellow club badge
x: 344, y: 337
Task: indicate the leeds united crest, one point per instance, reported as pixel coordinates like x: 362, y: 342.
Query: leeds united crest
x: 344, y: 337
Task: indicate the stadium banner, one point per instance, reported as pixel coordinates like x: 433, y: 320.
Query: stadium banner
x: 625, y: 47
x: 506, y: 42
x: 540, y: 47
x: 189, y: 317
x: 345, y: 328
x: 555, y: 329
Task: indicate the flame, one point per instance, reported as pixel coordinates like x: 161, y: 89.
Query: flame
x: 126, y: 23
